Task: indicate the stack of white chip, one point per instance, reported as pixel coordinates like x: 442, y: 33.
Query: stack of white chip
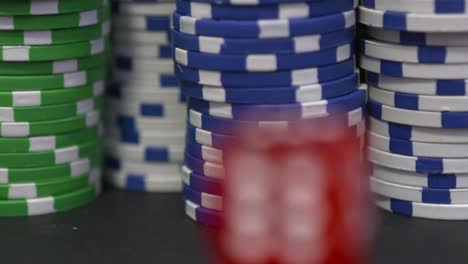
x: 146, y: 112
x: 416, y: 58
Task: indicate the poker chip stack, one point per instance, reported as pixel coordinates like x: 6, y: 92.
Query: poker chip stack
x: 248, y: 64
x: 146, y: 112
x: 53, y: 59
x: 416, y: 59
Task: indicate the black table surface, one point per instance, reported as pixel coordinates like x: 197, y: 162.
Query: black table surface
x: 140, y: 228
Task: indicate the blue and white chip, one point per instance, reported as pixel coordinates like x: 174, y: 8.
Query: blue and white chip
x: 266, y: 28
x: 263, y: 62
x: 266, y: 79
x: 297, y: 44
x: 275, y: 95
x: 276, y: 112
x: 200, y: 9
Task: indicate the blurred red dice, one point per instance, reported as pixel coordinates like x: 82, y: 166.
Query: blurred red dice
x: 297, y: 197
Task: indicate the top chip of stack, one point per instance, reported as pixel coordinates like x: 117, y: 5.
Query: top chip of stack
x: 53, y: 57
x: 416, y: 63
x: 145, y: 142
x: 251, y: 64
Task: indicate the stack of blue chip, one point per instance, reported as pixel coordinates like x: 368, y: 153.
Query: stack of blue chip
x: 146, y: 111
x: 250, y: 63
x: 416, y: 58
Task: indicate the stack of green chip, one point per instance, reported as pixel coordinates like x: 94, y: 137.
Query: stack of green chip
x: 53, y: 67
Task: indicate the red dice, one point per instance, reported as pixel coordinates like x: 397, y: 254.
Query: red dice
x: 298, y: 196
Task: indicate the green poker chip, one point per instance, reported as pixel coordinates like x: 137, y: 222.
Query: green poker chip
x: 50, y: 127
x: 21, y: 56
x: 65, y: 20
x: 55, y: 36
x: 50, y: 112
x: 48, y: 158
x: 53, y: 67
x: 51, y: 97
x: 48, y: 143
x: 53, y: 81
x: 51, y: 204
x: 34, y: 7
x: 40, y: 174
x: 45, y: 188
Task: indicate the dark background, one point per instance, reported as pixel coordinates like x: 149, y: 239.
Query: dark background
x: 141, y: 228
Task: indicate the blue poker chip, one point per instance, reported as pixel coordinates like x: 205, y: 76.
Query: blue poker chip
x: 414, y: 54
x: 418, y: 86
x: 418, y: 118
x: 450, y: 71
x: 419, y: 38
x: 202, y: 215
x: 423, y: 180
x: 263, y: 62
x: 277, y: 95
x: 411, y: 193
x: 205, y: 200
x: 220, y: 141
x: 274, y: 112
x: 426, y: 6
x: 207, y: 153
x: 270, y: 11
x: 203, y: 167
x: 251, y: 2
x: 201, y: 183
x: 232, y: 127
x: 263, y: 28
x: 301, y: 44
x: 270, y: 79
x: 208, y: 138
x: 416, y: 22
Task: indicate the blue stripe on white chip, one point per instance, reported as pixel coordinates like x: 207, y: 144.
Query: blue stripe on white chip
x: 419, y: 102
x: 418, y: 118
x: 419, y: 194
x: 414, y: 54
x: 415, y: 70
x: 420, y: 149
x: 427, y: 180
x: 419, y: 38
x: 418, y: 164
x: 416, y: 133
x: 416, y: 22
x: 418, y: 86
x: 426, y: 6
